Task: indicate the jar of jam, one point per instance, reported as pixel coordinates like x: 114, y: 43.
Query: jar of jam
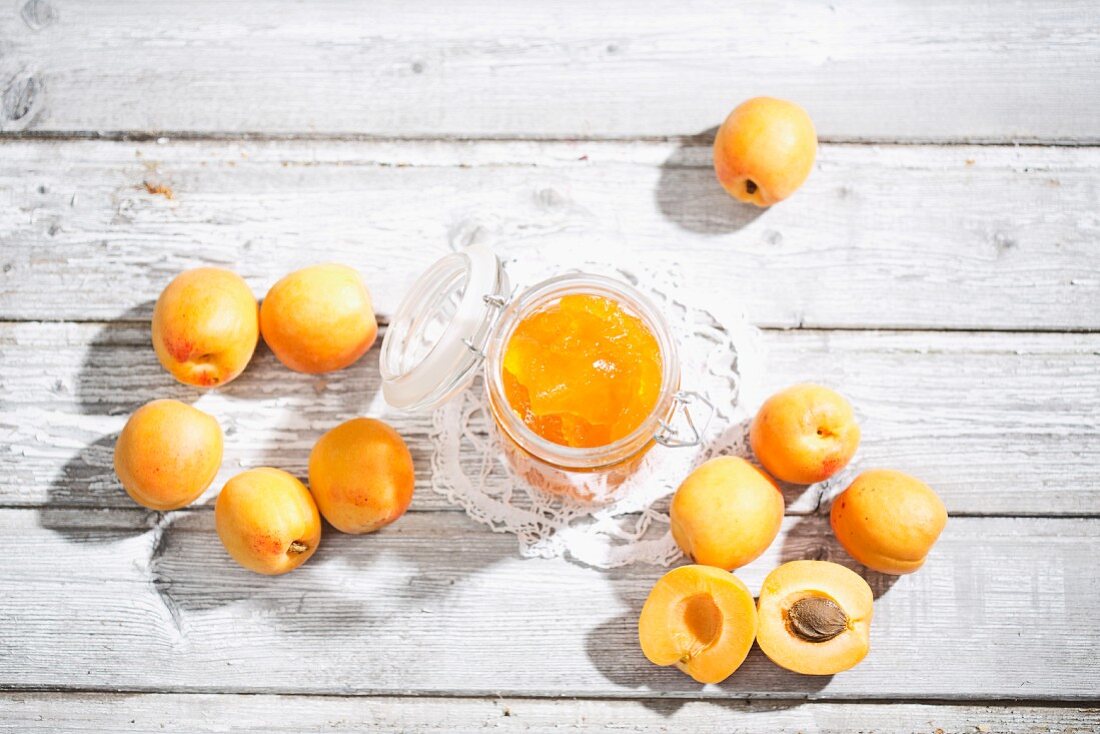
x: 581, y: 370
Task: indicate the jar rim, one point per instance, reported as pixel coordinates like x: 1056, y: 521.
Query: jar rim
x: 542, y: 294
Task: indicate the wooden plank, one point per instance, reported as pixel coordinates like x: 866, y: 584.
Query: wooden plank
x: 1004, y: 609
x: 894, y: 237
x: 866, y: 70
x: 67, y: 713
x: 997, y: 423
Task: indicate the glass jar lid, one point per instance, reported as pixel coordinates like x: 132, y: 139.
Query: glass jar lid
x: 435, y: 342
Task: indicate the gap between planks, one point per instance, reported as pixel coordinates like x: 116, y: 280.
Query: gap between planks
x: 384, y: 322
x: 698, y: 139
x: 748, y: 700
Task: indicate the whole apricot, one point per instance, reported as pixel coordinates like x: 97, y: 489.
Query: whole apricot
x: 700, y: 619
x: 267, y: 521
x: 167, y: 454
x: 815, y: 617
x: 726, y: 513
x: 205, y: 326
x: 361, y: 474
x: 318, y: 319
x: 804, y: 434
x: 888, y: 520
x: 764, y: 150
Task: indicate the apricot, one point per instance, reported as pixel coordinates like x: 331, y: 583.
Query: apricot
x: 815, y: 617
x: 804, y: 434
x: 361, y: 474
x: 167, y: 454
x: 700, y: 619
x: 267, y: 521
x: 726, y: 513
x: 888, y: 521
x: 205, y: 326
x: 764, y: 150
x: 318, y: 319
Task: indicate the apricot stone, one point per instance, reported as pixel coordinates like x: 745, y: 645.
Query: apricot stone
x: 888, y: 520
x: 319, y: 319
x: 764, y: 150
x: 205, y: 326
x: 167, y: 454
x: 815, y: 617
x: 700, y: 619
x: 267, y: 520
x: 726, y: 513
x: 804, y: 434
x: 361, y: 474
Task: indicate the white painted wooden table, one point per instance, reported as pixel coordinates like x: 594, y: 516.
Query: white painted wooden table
x: 941, y: 267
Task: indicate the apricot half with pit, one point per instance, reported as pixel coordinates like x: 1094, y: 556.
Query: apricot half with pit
x: 888, y: 520
x: 815, y: 617
x: 700, y: 619
x: 804, y: 434
x: 726, y: 513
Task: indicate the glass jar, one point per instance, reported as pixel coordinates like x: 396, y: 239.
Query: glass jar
x: 458, y: 318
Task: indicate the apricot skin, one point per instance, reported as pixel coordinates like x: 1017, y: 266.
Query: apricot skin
x: 797, y: 580
x: 361, y: 474
x: 168, y: 454
x: 888, y: 521
x: 804, y: 434
x: 726, y: 513
x: 764, y: 150
x: 700, y: 619
x: 205, y: 326
x: 319, y: 319
x: 267, y: 521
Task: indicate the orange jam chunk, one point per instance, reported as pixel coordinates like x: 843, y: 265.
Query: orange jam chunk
x: 582, y: 372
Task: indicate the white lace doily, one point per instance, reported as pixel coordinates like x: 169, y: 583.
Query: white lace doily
x: 720, y: 356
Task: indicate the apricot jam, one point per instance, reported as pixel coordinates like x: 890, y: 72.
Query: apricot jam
x: 582, y: 372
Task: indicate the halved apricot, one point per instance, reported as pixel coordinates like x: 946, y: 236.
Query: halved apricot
x: 700, y: 619
x: 815, y: 617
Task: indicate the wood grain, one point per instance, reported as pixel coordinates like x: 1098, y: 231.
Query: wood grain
x: 893, y: 237
x: 123, y: 600
x: 866, y: 70
x: 67, y: 713
x: 997, y: 423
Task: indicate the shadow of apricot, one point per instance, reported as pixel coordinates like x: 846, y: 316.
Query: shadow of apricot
x: 734, y: 441
x: 317, y: 404
x: 335, y: 593
x: 92, y: 525
x: 118, y: 374
x: 760, y: 675
x: 88, y: 478
x: 193, y: 574
x: 811, y: 538
x: 689, y: 195
x: 120, y: 371
x: 614, y: 650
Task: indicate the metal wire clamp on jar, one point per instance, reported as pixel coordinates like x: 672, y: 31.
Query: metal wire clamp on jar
x: 457, y: 319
